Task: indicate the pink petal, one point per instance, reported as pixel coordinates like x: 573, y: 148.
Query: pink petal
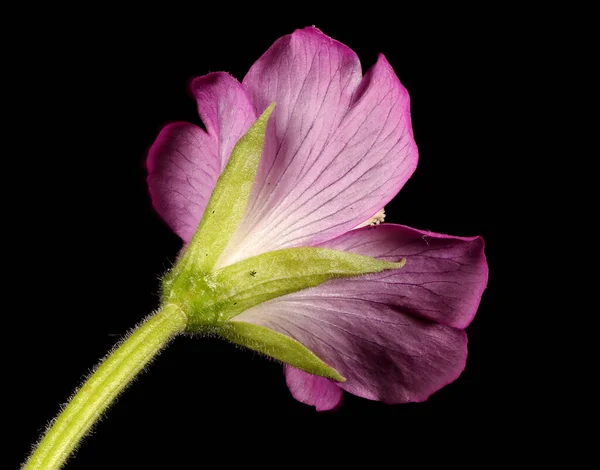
x: 443, y: 279
x: 183, y: 168
x: 337, y: 148
x: 225, y: 109
x: 185, y: 162
x: 319, y: 392
x: 377, y: 329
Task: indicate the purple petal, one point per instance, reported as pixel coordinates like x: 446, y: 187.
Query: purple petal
x: 338, y: 148
x: 185, y: 162
x: 319, y: 392
x: 384, y: 354
x: 377, y: 329
x: 443, y: 279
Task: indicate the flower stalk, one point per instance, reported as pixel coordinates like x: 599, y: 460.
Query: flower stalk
x: 111, y: 377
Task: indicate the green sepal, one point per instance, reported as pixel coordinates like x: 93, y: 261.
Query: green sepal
x: 278, y: 346
x: 220, y: 296
x: 228, y: 200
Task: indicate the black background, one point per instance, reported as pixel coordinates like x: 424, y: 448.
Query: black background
x: 87, y: 250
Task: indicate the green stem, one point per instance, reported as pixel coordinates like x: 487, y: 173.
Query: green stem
x: 114, y: 374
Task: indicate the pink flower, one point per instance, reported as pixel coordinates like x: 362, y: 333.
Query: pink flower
x: 338, y: 147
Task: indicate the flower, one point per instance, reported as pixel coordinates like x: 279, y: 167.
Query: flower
x: 338, y: 147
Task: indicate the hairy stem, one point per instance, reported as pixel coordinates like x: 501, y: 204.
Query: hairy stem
x: 113, y: 375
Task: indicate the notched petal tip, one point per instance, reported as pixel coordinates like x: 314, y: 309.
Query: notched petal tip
x: 225, y: 109
x: 383, y: 72
x: 185, y: 162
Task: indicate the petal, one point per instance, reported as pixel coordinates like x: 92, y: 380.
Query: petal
x: 225, y: 109
x: 312, y: 390
x: 384, y: 354
x: 338, y: 148
x: 185, y: 162
x: 443, y: 279
x: 183, y: 168
x: 392, y: 335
